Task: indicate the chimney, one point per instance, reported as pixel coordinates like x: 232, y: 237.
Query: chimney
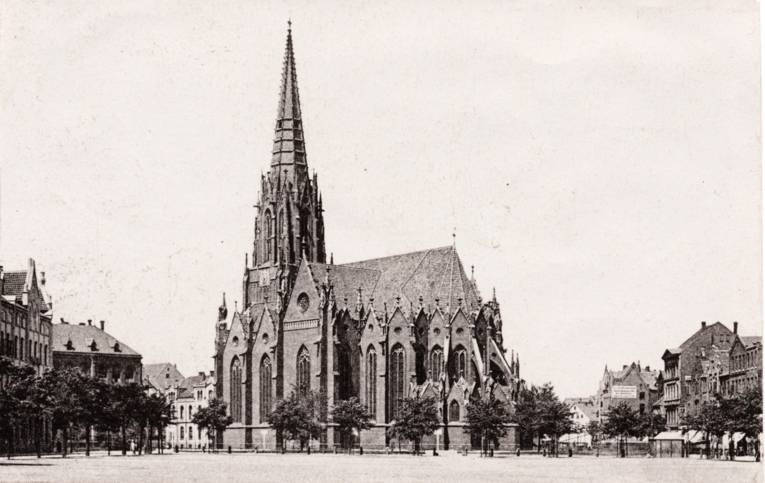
x: 624, y: 366
x: 102, y: 325
x: 63, y: 321
x: 90, y: 321
x: 703, y: 324
x: 201, y: 373
x: 647, y: 368
x: 735, y: 327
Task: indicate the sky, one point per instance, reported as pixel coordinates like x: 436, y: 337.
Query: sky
x: 598, y: 161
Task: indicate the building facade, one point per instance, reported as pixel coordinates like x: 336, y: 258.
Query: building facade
x: 713, y: 361
x: 95, y: 352
x: 381, y: 330
x: 25, y: 337
x: 188, y: 397
x: 633, y: 385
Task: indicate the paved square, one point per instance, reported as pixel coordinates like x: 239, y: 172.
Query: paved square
x: 193, y: 467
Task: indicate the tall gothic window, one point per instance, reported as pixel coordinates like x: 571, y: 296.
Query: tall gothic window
x: 454, y: 411
x: 371, y: 392
x: 236, y: 390
x: 265, y: 388
x: 397, y: 382
x: 460, y: 363
x: 268, y: 231
x: 303, y: 372
x: 436, y: 363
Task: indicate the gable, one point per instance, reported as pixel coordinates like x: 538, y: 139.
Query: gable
x: 304, y: 299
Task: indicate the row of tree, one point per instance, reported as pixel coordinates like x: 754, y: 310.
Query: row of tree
x: 739, y: 414
x: 70, y: 403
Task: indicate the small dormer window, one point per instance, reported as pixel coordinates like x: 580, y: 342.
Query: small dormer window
x: 235, y: 341
x: 69, y: 345
x: 93, y: 346
x: 117, y: 347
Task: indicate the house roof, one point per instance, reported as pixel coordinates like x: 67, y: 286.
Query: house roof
x: 162, y: 375
x: 82, y: 336
x: 186, y: 387
x: 13, y: 282
x: 750, y: 340
x: 430, y: 274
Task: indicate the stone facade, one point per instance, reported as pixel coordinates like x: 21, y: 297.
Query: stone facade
x: 633, y: 385
x: 381, y: 330
x: 96, y: 353
x: 25, y: 337
x: 714, y: 360
x: 187, y: 397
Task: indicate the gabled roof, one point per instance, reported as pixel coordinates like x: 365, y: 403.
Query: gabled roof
x: 162, y: 375
x: 434, y: 273
x: 81, y: 336
x: 750, y: 340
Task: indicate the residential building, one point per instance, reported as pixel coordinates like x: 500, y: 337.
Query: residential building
x: 188, y: 397
x: 634, y: 385
x: 95, y: 352
x: 25, y: 337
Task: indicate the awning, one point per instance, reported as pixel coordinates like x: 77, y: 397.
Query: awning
x: 670, y: 436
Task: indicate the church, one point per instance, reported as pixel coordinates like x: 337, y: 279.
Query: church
x: 380, y: 330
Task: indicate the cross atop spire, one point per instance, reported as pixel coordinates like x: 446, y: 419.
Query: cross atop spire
x: 288, y: 154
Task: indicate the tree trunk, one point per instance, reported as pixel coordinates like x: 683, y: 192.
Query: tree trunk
x: 141, y: 430
x: 87, y: 440
x: 65, y: 440
x: 109, y: 442
x: 124, y: 440
x: 38, y: 431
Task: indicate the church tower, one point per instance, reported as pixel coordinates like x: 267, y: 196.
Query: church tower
x: 289, y: 224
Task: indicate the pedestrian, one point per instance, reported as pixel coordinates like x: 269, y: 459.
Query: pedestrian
x: 132, y: 445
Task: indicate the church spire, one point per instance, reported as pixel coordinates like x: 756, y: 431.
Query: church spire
x: 288, y: 154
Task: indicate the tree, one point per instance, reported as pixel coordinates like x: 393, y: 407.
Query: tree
x: 213, y: 418
x: 94, y: 398
x: 528, y: 416
x: 15, y: 404
x: 487, y: 419
x: 595, y: 430
x: 418, y: 417
x: 555, y: 416
x: 157, y: 412
x: 710, y: 420
x: 297, y: 417
x: 350, y: 415
x: 622, y: 422
x: 745, y: 414
x: 66, y: 389
x: 125, y: 408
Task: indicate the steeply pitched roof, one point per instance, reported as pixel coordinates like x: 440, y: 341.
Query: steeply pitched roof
x: 186, y: 386
x: 82, y: 336
x: 289, y: 147
x: 13, y: 282
x: 435, y: 273
x: 162, y: 375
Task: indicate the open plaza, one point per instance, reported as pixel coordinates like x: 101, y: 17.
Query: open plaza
x: 449, y: 466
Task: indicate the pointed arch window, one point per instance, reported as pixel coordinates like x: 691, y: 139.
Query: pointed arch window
x: 268, y: 230
x: 454, y: 411
x: 371, y: 389
x: 303, y: 372
x: 436, y: 363
x: 397, y: 361
x: 236, y: 390
x: 265, y: 388
x: 460, y: 363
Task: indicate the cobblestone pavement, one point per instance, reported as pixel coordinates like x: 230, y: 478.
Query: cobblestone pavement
x: 193, y: 467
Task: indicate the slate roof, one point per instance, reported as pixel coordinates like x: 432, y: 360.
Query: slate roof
x: 81, y: 337
x: 13, y: 282
x: 434, y: 273
x: 157, y: 375
x: 187, y: 385
x: 750, y: 340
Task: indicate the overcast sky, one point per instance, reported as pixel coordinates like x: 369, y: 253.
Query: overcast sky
x: 600, y: 161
